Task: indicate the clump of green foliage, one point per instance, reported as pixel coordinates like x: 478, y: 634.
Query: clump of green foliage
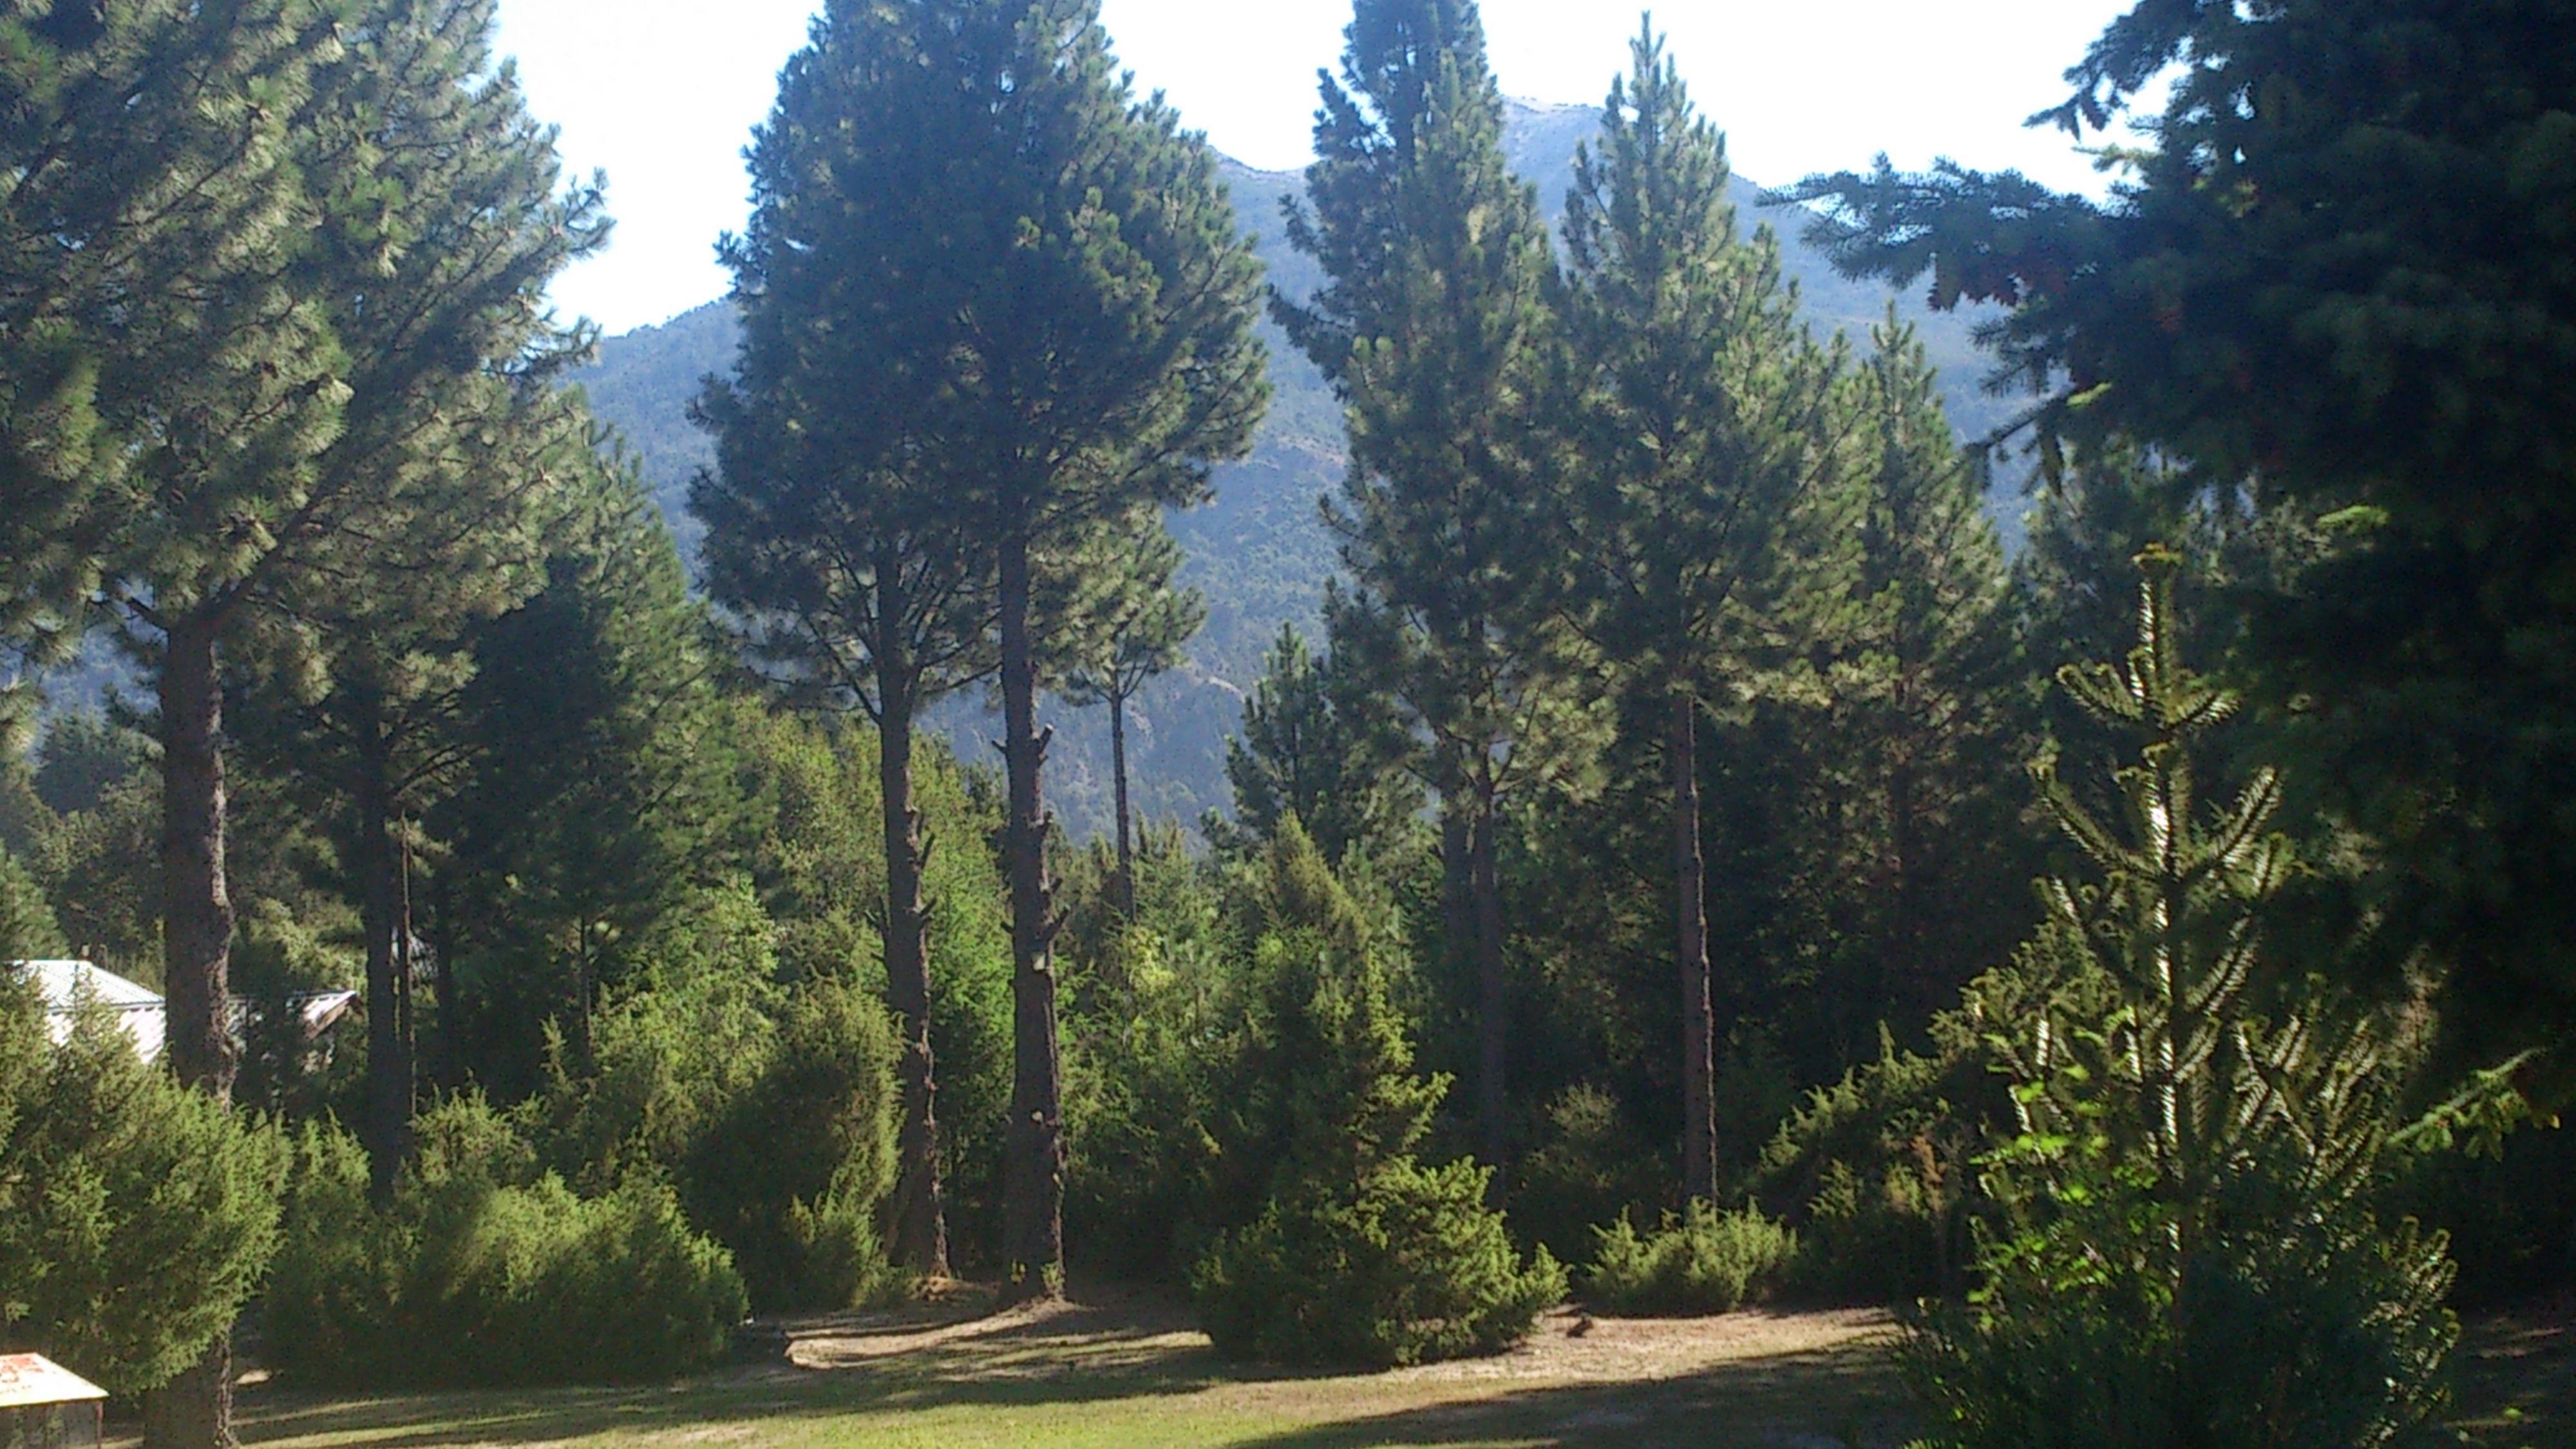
x: 2186, y: 1251
x: 27, y: 926
x: 1588, y: 1166
x: 135, y: 1214
x: 1359, y: 1254
x: 767, y: 1110
x: 486, y: 1270
x: 1703, y: 1261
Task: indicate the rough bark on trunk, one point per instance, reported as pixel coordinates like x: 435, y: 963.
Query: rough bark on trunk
x: 1493, y: 998
x: 1033, y: 1153
x: 920, y: 1216
x: 194, y: 1411
x: 1699, y: 1022
x: 1118, y: 768
x: 1457, y: 892
x: 380, y: 911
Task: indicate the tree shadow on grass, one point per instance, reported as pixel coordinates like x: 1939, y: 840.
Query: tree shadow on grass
x: 1799, y: 1400
x: 1829, y: 1399
x: 1072, y: 1355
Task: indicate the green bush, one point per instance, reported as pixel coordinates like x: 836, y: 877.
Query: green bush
x: 2306, y: 1326
x: 1357, y: 1252
x: 484, y: 1271
x: 1407, y: 1266
x: 27, y: 927
x: 1589, y: 1165
x: 1702, y: 1262
x: 135, y: 1215
x: 768, y: 1110
x: 1877, y: 1171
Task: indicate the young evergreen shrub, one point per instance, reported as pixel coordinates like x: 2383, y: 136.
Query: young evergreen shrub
x: 1877, y: 1171
x: 484, y: 1271
x: 1359, y: 1254
x: 2185, y: 1249
x: 1407, y: 1266
x: 2293, y: 1324
x: 1704, y: 1261
x: 768, y: 1110
x: 136, y: 1215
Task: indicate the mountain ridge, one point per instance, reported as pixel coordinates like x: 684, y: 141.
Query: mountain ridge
x: 1260, y: 551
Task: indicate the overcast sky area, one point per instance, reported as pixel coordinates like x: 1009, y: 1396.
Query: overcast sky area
x: 662, y: 94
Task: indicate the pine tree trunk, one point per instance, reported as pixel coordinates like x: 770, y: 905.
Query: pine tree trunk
x: 194, y: 1411
x: 1493, y: 999
x: 1457, y: 888
x: 1118, y: 767
x: 1699, y: 1022
x: 1033, y: 1147
x: 581, y: 995
x: 920, y: 1217
x: 380, y: 915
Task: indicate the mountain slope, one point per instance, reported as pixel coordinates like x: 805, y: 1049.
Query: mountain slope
x: 1259, y: 552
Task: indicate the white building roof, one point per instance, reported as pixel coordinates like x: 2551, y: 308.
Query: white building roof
x: 27, y: 1381
x: 66, y: 985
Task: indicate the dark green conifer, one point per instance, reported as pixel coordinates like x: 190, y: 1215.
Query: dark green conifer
x: 1308, y: 754
x: 599, y: 793
x: 1706, y: 423
x: 1434, y: 330
x: 1070, y: 344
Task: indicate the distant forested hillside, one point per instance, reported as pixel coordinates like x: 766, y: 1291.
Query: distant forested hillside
x: 1259, y: 552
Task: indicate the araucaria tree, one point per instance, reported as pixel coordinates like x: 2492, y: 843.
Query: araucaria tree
x: 2185, y: 1249
x: 1434, y: 330
x: 1051, y: 279
x: 1707, y: 423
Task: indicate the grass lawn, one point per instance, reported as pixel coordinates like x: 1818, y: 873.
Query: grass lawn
x: 1129, y: 1374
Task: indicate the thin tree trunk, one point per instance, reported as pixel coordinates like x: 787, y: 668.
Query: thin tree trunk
x: 447, y: 1063
x: 1033, y: 1151
x: 1699, y: 1021
x: 920, y: 1217
x: 1493, y: 999
x: 194, y: 1411
x: 1457, y: 889
x: 380, y: 916
x: 405, y: 970
x: 581, y: 994
x: 1118, y: 767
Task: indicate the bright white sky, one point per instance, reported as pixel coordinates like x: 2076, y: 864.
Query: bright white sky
x: 663, y: 94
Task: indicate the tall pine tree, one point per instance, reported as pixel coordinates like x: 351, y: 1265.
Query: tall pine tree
x: 848, y: 561
x: 148, y: 204
x: 1434, y: 330
x: 1707, y: 422
x: 1065, y: 309
x: 441, y: 228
